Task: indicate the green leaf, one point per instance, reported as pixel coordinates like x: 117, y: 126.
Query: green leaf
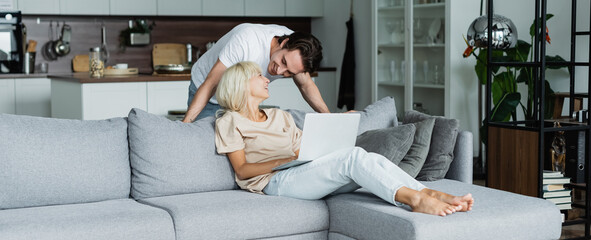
x: 533, y: 25
x: 523, y: 76
x: 480, y: 67
x: 507, y: 104
x: 497, y: 92
x: 480, y: 70
x: 555, y: 59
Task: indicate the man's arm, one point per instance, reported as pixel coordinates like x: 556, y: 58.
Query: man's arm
x: 310, y: 92
x: 205, y: 92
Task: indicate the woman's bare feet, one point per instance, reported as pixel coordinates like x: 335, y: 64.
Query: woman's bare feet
x: 423, y: 202
x: 462, y: 203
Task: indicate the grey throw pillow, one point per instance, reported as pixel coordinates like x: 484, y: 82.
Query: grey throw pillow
x: 443, y: 142
x: 171, y: 157
x: 415, y: 158
x: 392, y: 143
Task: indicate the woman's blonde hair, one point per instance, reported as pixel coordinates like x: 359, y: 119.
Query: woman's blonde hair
x: 233, y: 89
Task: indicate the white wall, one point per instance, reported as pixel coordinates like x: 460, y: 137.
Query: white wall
x: 331, y: 30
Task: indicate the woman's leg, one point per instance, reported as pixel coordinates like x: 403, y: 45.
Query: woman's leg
x: 333, y: 171
x: 346, y: 168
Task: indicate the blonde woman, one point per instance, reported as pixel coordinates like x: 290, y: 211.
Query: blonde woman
x: 257, y: 140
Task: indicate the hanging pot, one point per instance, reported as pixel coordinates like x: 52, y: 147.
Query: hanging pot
x: 47, y: 49
x: 61, y: 47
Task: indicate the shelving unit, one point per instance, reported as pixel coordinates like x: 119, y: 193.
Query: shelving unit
x: 517, y: 150
x: 401, y: 45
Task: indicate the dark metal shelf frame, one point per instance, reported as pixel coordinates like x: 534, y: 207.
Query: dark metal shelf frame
x: 539, y: 65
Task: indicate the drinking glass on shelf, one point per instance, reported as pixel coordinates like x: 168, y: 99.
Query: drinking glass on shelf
x: 437, y: 75
x: 402, y: 70
x: 426, y: 71
x: 414, y: 71
x: 395, y: 29
x: 393, y: 71
x: 418, y: 30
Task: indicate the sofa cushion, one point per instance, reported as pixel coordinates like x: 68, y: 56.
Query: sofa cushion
x: 441, y: 150
x: 381, y: 114
x: 171, y: 157
x: 496, y: 215
x: 46, y: 161
x: 415, y: 158
x: 238, y: 214
x: 392, y: 143
x: 113, y: 219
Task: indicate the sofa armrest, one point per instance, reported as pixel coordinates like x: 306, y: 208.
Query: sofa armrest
x: 461, y: 167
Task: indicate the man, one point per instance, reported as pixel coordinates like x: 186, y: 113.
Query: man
x: 277, y: 49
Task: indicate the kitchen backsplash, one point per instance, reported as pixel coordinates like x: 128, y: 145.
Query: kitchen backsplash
x: 86, y: 33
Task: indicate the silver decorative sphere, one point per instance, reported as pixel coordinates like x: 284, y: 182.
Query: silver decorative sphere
x: 504, y: 32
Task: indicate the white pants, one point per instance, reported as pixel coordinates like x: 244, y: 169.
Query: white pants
x: 342, y: 171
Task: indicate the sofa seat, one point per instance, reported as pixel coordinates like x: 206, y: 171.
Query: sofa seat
x: 237, y: 214
x: 496, y: 215
x: 113, y: 219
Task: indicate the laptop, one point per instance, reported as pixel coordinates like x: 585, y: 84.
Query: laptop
x: 325, y: 133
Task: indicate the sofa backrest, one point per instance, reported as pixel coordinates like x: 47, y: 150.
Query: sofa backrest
x: 171, y: 157
x: 47, y: 161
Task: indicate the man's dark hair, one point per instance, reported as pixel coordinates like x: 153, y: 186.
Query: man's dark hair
x: 309, y: 47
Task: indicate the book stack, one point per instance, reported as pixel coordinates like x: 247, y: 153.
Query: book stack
x: 554, y: 191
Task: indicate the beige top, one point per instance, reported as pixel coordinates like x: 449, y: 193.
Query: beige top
x: 277, y: 137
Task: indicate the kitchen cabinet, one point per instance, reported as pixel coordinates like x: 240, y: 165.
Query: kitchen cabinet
x: 7, y: 96
x: 304, y: 8
x: 84, y: 7
x: 39, y: 6
x: 223, y: 7
x: 133, y: 7
x: 264, y: 8
x: 165, y: 96
x: 10, y: 5
x: 408, y: 55
x: 33, y: 96
x: 25, y: 96
x: 179, y: 8
x: 94, y: 101
x: 77, y: 98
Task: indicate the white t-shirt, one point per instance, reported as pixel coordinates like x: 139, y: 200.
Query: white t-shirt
x: 245, y: 42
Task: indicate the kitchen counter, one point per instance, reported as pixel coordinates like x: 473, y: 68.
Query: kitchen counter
x: 83, y: 77
x: 22, y: 75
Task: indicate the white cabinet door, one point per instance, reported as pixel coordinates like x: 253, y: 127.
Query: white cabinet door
x: 10, y: 5
x: 264, y: 8
x: 223, y: 7
x: 84, y: 7
x: 33, y: 96
x: 7, y: 99
x: 133, y: 7
x: 179, y: 7
x: 39, y: 6
x: 304, y: 8
x: 165, y: 96
x: 109, y: 100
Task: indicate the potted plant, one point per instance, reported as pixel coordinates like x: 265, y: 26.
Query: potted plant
x: 505, y: 96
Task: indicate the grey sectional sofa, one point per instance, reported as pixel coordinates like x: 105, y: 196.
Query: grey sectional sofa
x: 146, y: 177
